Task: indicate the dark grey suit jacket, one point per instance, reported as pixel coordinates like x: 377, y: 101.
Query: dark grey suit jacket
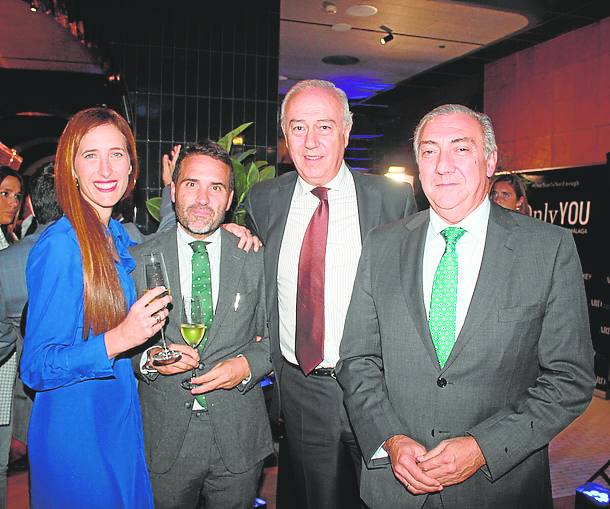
x: 13, y: 296
x: 520, y: 371
x: 13, y: 290
x: 380, y: 201
x: 238, y: 416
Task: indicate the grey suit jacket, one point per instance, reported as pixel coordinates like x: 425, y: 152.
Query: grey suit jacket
x: 520, y: 370
x: 238, y: 416
x: 380, y: 201
x: 13, y: 296
x: 13, y: 289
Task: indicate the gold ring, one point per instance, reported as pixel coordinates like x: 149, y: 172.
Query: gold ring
x: 158, y: 318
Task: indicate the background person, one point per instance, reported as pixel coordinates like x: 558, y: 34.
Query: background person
x: 85, y: 442
x: 509, y: 191
x: 13, y: 296
x: 11, y: 185
x: 11, y: 195
x: 467, y: 345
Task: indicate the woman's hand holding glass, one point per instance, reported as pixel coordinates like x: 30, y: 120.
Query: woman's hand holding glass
x: 145, y: 319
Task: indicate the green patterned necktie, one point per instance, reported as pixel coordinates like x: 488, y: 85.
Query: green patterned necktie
x: 444, y: 296
x: 202, y: 287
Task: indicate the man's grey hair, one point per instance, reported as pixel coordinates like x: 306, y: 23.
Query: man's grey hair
x: 327, y: 85
x: 484, y: 121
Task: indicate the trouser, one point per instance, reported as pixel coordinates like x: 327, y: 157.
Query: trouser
x: 6, y: 433
x: 199, y: 477
x: 325, y: 458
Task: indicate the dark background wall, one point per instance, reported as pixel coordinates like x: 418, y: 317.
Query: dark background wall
x: 180, y: 71
x: 193, y: 71
x: 551, y: 103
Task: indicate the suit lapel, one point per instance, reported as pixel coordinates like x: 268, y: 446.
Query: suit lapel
x: 411, y: 273
x: 232, y: 261
x: 369, y: 204
x: 280, y: 197
x: 498, y: 258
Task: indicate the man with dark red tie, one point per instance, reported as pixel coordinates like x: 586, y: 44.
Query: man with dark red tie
x: 313, y: 223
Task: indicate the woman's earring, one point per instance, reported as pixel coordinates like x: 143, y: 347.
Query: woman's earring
x: 76, y: 183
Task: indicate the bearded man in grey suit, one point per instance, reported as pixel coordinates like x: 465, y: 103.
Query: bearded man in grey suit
x: 454, y: 404
x: 324, y: 195
x: 210, y: 450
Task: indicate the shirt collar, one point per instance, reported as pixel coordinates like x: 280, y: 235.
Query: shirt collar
x: 340, y: 181
x: 474, y: 223
x: 185, y: 238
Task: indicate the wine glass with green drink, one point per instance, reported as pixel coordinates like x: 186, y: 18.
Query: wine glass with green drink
x: 192, y: 328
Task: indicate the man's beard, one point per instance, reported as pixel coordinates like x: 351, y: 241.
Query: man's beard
x: 208, y: 227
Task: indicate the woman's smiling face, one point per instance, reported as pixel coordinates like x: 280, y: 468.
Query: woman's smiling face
x: 102, y: 167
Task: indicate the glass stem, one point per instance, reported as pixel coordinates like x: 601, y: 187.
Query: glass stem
x: 163, y: 339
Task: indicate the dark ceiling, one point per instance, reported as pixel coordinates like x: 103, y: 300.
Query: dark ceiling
x: 555, y: 17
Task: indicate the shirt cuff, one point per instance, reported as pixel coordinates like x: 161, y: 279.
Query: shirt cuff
x: 144, y: 368
x: 380, y: 453
x: 246, y: 380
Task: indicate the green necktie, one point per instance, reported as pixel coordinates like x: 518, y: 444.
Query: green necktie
x: 202, y: 287
x: 444, y: 296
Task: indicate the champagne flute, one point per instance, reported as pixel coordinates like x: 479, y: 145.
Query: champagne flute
x: 192, y: 328
x: 155, y: 274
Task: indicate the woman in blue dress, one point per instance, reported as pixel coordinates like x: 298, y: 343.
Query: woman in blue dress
x: 85, y: 436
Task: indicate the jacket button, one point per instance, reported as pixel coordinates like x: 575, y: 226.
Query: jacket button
x: 188, y: 404
x: 441, y: 382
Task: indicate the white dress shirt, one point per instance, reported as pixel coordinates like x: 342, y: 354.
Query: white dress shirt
x: 185, y: 255
x: 469, y: 250
x: 342, y: 254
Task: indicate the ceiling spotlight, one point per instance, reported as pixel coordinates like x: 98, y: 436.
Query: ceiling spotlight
x: 329, y: 7
x: 388, y: 36
x: 33, y: 6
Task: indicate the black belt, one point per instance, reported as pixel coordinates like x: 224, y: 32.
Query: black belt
x: 316, y: 372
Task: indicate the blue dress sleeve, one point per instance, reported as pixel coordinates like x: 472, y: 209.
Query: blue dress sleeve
x: 55, y: 354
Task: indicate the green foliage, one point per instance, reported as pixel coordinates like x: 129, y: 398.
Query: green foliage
x: 246, y: 169
x: 154, y: 208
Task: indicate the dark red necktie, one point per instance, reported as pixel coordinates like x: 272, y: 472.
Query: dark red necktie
x: 309, y: 334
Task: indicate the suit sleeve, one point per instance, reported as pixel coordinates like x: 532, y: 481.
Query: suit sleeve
x: 410, y: 204
x: 258, y: 353
x: 54, y: 353
x: 360, y: 368
x: 564, y: 385
x: 166, y: 211
x: 254, y: 214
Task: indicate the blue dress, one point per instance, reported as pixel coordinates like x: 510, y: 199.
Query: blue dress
x: 85, y: 440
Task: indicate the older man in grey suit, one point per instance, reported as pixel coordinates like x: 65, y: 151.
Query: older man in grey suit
x: 466, y: 346
x: 312, y: 222
x: 208, y: 450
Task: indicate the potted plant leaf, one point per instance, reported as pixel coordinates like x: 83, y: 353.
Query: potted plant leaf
x: 246, y: 169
